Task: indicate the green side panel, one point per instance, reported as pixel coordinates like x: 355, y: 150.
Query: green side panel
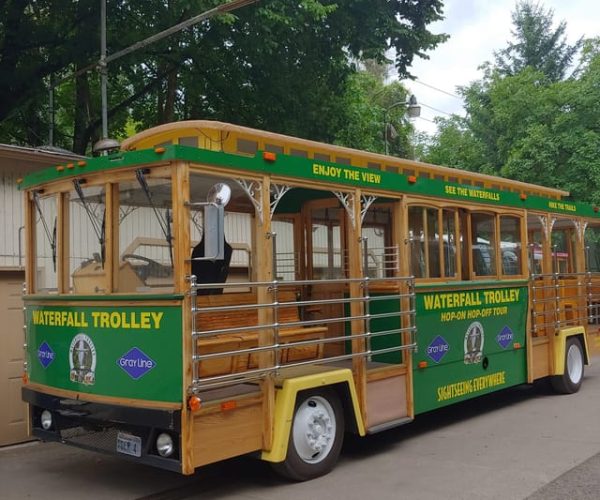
x: 473, y: 342
x: 381, y: 325
x: 386, y: 324
x: 126, y: 351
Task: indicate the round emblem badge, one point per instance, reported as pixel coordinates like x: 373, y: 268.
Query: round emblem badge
x: 474, y: 343
x: 82, y: 360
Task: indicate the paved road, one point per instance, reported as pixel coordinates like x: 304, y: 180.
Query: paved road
x: 522, y: 442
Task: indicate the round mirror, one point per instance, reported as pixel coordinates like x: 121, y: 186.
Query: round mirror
x: 220, y: 194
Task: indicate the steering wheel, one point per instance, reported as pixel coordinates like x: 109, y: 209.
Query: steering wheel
x: 151, y: 268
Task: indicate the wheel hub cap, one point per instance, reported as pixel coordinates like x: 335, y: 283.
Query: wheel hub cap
x: 574, y: 364
x: 314, y: 429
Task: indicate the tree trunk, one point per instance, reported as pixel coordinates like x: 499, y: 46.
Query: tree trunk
x: 83, y: 117
x: 171, y: 94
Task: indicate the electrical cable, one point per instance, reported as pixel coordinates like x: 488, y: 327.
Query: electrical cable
x: 421, y: 82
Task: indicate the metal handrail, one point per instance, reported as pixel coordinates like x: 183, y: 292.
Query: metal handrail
x: 277, y: 327
x: 552, y: 286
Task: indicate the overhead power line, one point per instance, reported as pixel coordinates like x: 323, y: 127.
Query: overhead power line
x: 221, y: 9
x: 435, y: 109
x: 421, y: 82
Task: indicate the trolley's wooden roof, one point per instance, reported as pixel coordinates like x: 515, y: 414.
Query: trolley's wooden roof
x: 219, y: 136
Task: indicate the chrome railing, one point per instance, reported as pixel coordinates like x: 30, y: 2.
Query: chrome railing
x: 303, y: 322
x: 564, y: 299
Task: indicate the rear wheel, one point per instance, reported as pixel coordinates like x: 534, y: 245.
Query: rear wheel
x: 316, y: 436
x: 570, y: 381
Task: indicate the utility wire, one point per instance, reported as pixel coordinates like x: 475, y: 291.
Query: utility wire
x: 220, y: 9
x: 435, y: 109
x: 438, y: 89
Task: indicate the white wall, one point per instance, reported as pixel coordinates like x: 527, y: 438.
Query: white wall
x: 11, y: 218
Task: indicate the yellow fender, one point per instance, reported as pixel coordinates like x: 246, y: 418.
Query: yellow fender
x: 560, y: 342
x: 285, y: 403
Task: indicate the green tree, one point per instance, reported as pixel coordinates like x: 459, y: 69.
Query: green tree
x: 525, y: 120
x: 453, y: 145
x: 562, y: 149
x: 537, y: 44
x: 370, y: 107
x: 280, y: 65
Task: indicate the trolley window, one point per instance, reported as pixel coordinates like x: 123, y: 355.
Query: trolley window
x: 483, y: 244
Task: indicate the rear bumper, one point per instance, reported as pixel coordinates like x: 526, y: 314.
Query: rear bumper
x: 95, y: 426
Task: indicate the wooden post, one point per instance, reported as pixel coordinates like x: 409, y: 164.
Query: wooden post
x: 112, y: 238
x: 181, y: 268
x: 30, y: 242
x: 400, y: 221
x: 581, y: 267
x: 263, y: 258
x: 548, y: 268
x: 63, y: 244
x: 355, y: 270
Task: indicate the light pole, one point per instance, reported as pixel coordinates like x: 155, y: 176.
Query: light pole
x: 413, y: 110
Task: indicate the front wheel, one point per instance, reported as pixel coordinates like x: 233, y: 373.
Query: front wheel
x: 316, y: 436
x: 570, y: 381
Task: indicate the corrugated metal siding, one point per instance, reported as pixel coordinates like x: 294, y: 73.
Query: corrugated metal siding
x: 11, y: 219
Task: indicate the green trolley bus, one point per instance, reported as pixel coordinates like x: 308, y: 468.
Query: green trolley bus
x: 212, y: 290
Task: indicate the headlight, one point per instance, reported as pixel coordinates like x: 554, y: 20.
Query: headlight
x: 46, y: 420
x: 164, y: 445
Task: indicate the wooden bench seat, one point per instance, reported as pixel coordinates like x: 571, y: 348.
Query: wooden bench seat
x: 241, y: 317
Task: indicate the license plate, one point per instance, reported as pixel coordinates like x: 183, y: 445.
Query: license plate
x: 129, y: 444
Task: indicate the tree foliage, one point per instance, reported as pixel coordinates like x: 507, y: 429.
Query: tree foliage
x: 537, y: 44
x: 280, y: 65
x: 454, y: 144
x: 370, y: 108
x: 525, y: 120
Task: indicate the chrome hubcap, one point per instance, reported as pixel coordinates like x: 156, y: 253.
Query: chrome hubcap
x: 314, y: 429
x: 574, y: 364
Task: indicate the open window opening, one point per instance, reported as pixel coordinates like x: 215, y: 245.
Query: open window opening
x: 87, y: 239
x: 45, y: 251
x: 145, y: 233
x: 433, y: 237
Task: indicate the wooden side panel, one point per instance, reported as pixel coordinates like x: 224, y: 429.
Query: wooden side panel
x: 222, y: 435
x: 540, y: 359
x: 386, y: 400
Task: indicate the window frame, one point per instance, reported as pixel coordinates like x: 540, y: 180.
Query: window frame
x: 463, y: 216
x: 499, y: 274
x: 440, y: 207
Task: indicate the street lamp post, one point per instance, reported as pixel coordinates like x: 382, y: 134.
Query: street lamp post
x: 413, y: 110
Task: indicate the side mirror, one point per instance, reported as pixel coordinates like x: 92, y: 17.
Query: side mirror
x: 219, y: 194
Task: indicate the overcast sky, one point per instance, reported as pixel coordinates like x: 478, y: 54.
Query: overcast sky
x: 476, y: 29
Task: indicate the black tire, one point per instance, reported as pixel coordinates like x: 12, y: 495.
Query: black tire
x: 318, y: 423
x: 570, y: 381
